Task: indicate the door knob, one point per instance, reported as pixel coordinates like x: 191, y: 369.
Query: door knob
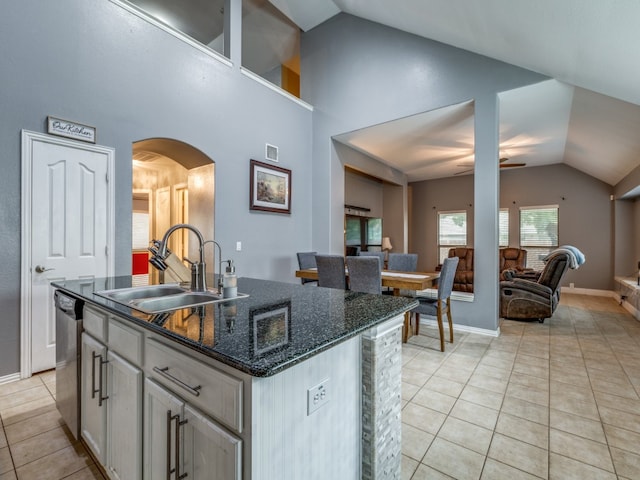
x: 41, y: 269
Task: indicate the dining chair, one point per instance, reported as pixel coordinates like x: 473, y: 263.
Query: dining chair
x: 437, y: 307
x: 404, y: 262
x: 379, y: 255
x: 331, y: 273
x: 307, y: 260
x: 365, y: 274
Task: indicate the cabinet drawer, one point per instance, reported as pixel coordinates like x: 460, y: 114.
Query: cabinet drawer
x: 214, y: 392
x: 126, y: 341
x: 94, y: 322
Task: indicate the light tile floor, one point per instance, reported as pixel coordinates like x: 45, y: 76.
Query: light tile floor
x: 557, y: 400
x: 34, y: 442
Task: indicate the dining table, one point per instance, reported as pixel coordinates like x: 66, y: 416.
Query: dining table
x: 394, y: 279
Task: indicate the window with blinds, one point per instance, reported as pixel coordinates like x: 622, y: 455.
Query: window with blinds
x: 538, y: 233
x: 503, y: 227
x: 452, y: 232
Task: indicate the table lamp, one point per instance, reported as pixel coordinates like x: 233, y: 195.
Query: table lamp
x: 386, y: 246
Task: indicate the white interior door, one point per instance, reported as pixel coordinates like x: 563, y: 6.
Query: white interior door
x: 69, y: 229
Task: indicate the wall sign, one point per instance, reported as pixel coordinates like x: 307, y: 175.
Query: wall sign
x: 65, y: 128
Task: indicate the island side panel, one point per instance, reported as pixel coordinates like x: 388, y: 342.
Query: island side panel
x: 381, y: 401
x: 290, y: 443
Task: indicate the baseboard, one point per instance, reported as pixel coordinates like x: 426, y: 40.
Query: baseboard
x: 588, y: 291
x: 463, y: 328
x: 14, y: 377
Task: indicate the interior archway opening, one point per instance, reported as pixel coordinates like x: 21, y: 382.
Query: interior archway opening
x: 172, y: 182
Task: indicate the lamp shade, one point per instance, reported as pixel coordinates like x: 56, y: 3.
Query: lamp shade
x: 386, y: 243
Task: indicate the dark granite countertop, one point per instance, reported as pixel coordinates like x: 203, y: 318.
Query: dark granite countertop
x: 276, y: 326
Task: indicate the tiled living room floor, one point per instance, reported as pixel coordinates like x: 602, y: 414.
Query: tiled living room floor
x: 557, y: 400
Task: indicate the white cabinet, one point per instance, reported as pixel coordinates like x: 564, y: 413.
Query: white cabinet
x: 111, y: 400
x: 182, y: 442
x: 160, y: 439
x: 210, y: 453
x: 93, y: 420
x: 124, y: 419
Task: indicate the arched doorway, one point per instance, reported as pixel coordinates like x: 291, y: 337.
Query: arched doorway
x: 172, y: 182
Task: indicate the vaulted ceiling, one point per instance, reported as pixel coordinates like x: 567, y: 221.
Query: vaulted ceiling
x: 588, y: 116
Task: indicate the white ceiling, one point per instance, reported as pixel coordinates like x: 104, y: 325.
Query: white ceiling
x: 589, y: 118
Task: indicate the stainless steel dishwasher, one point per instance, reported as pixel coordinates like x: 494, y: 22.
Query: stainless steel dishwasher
x: 68, y: 349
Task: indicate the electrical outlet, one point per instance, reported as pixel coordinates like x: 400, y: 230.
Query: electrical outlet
x: 317, y: 396
x: 238, y: 246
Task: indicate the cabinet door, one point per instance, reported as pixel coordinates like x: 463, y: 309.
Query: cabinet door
x: 124, y: 419
x: 159, y: 437
x: 210, y: 452
x: 93, y: 410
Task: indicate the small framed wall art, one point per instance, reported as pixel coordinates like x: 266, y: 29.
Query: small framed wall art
x: 270, y: 188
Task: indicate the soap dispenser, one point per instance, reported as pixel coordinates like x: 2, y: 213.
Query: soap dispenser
x: 230, y: 281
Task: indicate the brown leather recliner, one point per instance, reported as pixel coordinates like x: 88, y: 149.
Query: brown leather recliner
x: 463, y: 280
x: 537, y: 299
x: 511, y: 258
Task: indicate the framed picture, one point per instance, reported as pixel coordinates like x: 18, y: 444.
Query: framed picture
x: 270, y: 327
x: 270, y: 188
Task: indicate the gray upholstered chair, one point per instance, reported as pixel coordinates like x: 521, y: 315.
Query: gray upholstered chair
x: 379, y: 255
x: 331, y: 272
x: 404, y: 262
x: 364, y: 274
x: 307, y: 260
x: 437, y: 307
x: 538, y: 298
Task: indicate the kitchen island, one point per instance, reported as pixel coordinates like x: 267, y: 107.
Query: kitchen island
x: 290, y: 382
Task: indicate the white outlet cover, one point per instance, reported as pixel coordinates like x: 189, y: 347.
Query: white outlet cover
x: 318, y: 396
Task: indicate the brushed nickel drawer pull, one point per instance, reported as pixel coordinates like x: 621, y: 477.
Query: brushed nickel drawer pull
x: 164, y: 372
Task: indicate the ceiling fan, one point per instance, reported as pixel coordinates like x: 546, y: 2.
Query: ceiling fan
x: 503, y: 164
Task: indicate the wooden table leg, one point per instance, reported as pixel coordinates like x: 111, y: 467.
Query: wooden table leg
x: 407, y: 331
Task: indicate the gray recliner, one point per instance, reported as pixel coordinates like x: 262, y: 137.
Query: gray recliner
x: 538, y: 298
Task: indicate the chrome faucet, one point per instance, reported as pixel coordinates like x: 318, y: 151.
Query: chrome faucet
x: 198, y: 269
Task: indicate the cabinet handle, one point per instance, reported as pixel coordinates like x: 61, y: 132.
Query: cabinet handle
x: 101, y: 398
x: 169, y: 422
x: 179, y: 423
x: 170, y: 419
x: 164, y: 372
x: 94, y: 390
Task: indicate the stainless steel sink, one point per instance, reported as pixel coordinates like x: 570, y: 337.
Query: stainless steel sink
x: 162, y: 298
x: 175, y: 302
x: 121, y: 295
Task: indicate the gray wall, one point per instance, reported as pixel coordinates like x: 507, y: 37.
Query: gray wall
x: 585, y: 215
x: 361, y: 191
x: 93, y: 62
x: 358, y: 73
x: 429, y: 198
